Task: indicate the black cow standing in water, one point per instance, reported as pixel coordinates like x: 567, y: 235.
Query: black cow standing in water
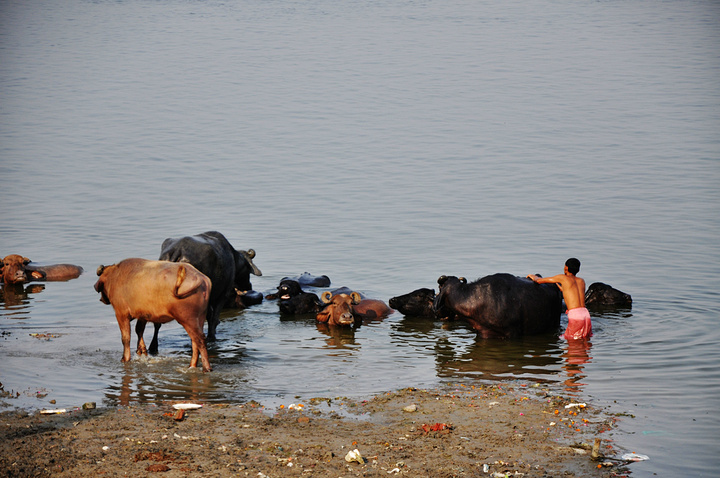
x: 227, y: 268
x: 500, y: 305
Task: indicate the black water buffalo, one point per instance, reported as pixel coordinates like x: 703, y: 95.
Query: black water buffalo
x: 293, y: 300
x: 212, y: 254
x: 16, y: 269
x: 303, y: 280
x: 599, y: 294
x: 418, y: 303
x: 308, y: 280
x: 500, y: 305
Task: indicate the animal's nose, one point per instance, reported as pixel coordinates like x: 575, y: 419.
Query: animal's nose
x: 346, y: 318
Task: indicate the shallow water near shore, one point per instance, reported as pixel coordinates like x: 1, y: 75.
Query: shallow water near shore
x: 383, y: 144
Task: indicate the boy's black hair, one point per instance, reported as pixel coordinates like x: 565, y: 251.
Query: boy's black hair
x: 573, y: 265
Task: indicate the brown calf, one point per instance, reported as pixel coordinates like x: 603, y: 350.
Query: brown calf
x: 347, y: 310
x: 17, y: 269
x: 157, y: 291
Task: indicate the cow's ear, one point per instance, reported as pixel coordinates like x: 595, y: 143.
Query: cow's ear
x: 323, y: 317
x: 326, y: 297
x: 355, y: 298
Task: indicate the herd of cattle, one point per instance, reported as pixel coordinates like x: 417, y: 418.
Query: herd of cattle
x: 197, y: 276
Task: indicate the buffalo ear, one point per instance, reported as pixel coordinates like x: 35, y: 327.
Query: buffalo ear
x: 326, y: 297
x: 355, y: 298
x: 441, y: 280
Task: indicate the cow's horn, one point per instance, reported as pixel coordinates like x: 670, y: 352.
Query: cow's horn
x: 248, y: 255
x: 355, y: 298
x: 326, y: 296
x: 463, y: 280
x: 100, y: 270
x: 441, y: 280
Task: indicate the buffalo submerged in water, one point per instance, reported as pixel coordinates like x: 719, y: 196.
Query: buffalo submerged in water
x: 17, y: 269
x: 500, y: 305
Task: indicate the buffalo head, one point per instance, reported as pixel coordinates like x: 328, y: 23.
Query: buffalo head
x: 12, y: 268
x: 446, y: 284
x: 244, y: 266
x: 418, y: 303
x: 338, y: 308
x: 599, y: 294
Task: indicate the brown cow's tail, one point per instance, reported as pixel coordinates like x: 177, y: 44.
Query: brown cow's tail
x: 186, y: 288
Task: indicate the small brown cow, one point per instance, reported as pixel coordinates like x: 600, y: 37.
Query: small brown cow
x: 157, y: 291
x: 348, y: 310
x: 17, y: 269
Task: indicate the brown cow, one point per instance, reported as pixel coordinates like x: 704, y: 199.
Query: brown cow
x: 157, y: 291
x: 348, y: 310
x: 17, y: 269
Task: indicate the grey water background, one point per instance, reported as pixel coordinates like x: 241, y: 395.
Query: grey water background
x: 383, y: 144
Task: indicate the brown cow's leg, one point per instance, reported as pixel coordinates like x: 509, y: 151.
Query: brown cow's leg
x: 124, y: 323
x: 139, y: 331
x: 197, y: 337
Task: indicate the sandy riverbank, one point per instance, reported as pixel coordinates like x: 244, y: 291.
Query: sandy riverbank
x: 503, y: 429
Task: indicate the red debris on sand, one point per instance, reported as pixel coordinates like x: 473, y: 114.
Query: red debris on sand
x: 438, y: 427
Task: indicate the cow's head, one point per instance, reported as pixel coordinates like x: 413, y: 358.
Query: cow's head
x: 418, y: 303
x: 446, y: 285
x: 602, y: 294
x: 100, y: 284
x: 338, y: 309
x: 244, y: 266
x: 288, y: 289
x: 12, y: 268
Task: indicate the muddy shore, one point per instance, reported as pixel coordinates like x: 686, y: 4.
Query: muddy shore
x: 502, y: 429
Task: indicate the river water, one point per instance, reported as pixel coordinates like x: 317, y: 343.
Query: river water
x: 383, y: 144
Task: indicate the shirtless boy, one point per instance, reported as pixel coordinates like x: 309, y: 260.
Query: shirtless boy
x: 573, y: 290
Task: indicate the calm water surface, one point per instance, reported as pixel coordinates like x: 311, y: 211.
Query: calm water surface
x: 382, y: 144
